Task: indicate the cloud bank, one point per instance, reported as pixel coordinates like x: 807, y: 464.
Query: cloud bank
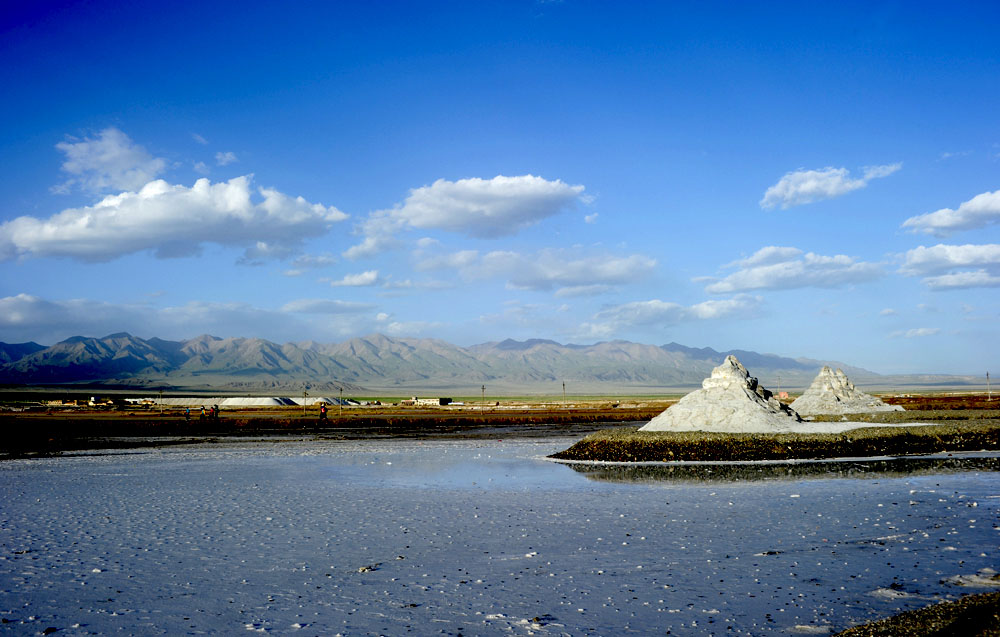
x: 172, y: 221
x: 569, y: 272
x: 785, y: 268
x: 808, y: 186
x: 325, y: 306
x: 26, y: 317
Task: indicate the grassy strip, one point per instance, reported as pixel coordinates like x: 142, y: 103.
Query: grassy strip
x: 631, y: 445
x: 972, y: 615
x: 916, y: 415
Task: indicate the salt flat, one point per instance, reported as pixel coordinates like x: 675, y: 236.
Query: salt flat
x: 468, y: 537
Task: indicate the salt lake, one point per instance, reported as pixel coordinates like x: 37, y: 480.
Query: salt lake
x: 473, y: 537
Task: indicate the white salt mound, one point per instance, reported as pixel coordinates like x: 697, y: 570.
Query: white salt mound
x: 832, y: 392
x: 255, y: 401
x: 729, y: 401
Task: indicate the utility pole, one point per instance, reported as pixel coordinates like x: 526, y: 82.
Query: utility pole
x: 161, y: 396
x: 304, y: 394
x: 564, y: 392
x: 341, y: 401
x: 484, y: 397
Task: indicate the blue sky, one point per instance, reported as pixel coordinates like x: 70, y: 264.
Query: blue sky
x: 818, y: 181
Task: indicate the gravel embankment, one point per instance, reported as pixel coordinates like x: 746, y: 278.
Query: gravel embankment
x: 971, y: 616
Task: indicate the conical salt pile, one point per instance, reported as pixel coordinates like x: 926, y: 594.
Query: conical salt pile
x: 729, y: 401
x: 832, y: 392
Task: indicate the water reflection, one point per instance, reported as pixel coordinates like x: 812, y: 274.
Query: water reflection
x: 756, y: 471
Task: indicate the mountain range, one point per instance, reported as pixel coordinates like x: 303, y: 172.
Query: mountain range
x: 379, y: 363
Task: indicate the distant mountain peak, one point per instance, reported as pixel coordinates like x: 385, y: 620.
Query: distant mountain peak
x: 116, y: 336
x: 510, y: 344
x: 203, y: 338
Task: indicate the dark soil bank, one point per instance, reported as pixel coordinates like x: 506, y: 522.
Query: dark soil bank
x: 33, y: 434
x: 631, y: 445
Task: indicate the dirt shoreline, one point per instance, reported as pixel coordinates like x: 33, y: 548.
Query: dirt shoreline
x: 23, y: 435
x: 53, y: 431
x: 632, y: 445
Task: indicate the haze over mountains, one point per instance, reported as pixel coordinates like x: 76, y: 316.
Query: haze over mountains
x: 404, y: 365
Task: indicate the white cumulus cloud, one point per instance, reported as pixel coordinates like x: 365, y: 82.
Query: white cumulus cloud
x: 171, y: 220
x: 978, y: 212
x: 943, y: 257
x: 109, y: 161
x: 783, y: 268
x: 361, y: 279
x: 945, y: 267
x: 475, y: 207
x: 807, y: 186
x: 963, y: 280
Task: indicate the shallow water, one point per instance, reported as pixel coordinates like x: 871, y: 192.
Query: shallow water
x: 471, y: 537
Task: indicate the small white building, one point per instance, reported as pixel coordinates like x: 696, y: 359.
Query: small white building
x: 427, y: 402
